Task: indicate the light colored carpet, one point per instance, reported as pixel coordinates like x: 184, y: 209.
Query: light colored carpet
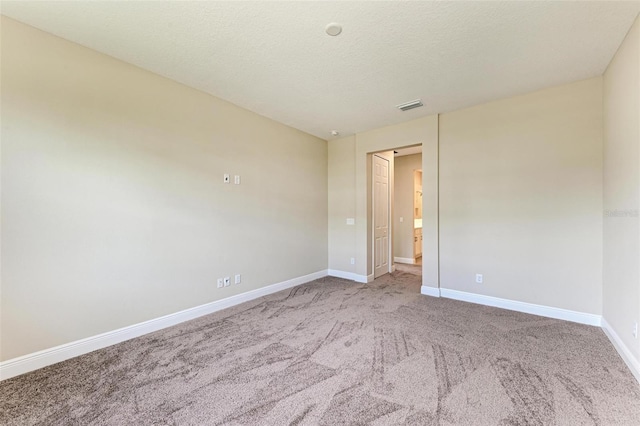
x: 334, y: 352
x: 411, y: 269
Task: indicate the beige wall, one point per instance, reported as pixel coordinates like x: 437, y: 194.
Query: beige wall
x: 342, y: 204
x: 622, y: 190
x: 521, y: 198
x: 113, y: 206
x: 405, y: 167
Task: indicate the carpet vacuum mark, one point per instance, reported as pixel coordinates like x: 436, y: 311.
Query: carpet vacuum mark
x: 332, y: 352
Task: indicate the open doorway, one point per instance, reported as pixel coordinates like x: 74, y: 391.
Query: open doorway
x: 408, y: 205
x: 393, y: 220
x: 423, y: 134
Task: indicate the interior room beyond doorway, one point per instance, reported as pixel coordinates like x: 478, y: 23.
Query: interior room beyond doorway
x: 408, y: 215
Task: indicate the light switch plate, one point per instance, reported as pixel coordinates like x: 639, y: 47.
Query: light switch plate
x: 226, y: 178
x: 351, y: 221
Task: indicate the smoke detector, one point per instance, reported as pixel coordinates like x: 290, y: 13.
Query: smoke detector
x: 410, y: 105
x: 335, y: 133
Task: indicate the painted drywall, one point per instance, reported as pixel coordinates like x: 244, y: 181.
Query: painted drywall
x: 405, y: 167
x: 621, y: 287
x: 342, y: 203
x: 521, y: 198
x: 114, y: 209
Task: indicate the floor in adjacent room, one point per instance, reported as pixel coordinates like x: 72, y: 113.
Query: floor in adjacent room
x: 336, y: 352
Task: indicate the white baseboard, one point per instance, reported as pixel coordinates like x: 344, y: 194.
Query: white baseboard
x: 430, y: 291
x: 348, y: 276
x: 529, y: 308
x: 370, y: 278
x: 632, y: 362
x: 409, y: 260
x: 36, y: 360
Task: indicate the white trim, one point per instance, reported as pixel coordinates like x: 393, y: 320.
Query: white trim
x: 408, y: 260
x: 36, y: 360
x: 430, y: 291
x: 529, y: 308
x: 370, y: 278
x: 347, y: 275
x: 632, y: 362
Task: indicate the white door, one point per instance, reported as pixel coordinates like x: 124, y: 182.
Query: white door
x: 380, y: 216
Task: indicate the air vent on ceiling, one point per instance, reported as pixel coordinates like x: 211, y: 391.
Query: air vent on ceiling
x: 410, y: 105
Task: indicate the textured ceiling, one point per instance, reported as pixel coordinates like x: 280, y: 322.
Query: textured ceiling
x: 275, y: 59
